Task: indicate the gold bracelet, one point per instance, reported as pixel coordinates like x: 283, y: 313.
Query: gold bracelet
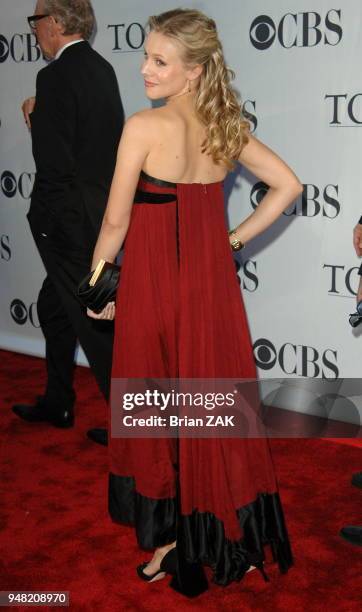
x: 235, y: 244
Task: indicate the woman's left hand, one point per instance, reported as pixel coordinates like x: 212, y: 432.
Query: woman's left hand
x: 107, y: 314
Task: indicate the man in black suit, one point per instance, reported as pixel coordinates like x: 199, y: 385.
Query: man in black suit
x: 76, y: 125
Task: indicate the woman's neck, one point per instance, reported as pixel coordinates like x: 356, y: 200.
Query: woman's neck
x: 181, y: 100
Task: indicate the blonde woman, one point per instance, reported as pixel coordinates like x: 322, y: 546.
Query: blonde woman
x: 179, y: 310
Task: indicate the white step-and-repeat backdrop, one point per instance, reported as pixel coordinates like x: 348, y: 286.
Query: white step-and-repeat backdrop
x: 297, y: 67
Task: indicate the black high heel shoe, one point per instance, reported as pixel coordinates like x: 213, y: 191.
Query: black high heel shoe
x: 167, y: 566
x: 260, y: 567
x: 187, y: 578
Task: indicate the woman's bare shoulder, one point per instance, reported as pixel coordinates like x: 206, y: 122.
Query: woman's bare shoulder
x: 151, y: 119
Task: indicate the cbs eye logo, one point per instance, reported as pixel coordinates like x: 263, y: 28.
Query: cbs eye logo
x: 265, y: 354
x: 8, y: 184
x: 19, y: 48
x: 18, y: 312
x: 11, y: 185
x: 303, y: 29
x: 262, y: 32
x: 4, y: 48
x: 21, y: 314
x: 315, y: 200
x: 296, y: 359
x: 257, y: 193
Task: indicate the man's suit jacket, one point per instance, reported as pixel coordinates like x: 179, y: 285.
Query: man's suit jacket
x: 76, y: 126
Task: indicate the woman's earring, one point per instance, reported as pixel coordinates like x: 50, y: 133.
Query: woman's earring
x: 189, y: 86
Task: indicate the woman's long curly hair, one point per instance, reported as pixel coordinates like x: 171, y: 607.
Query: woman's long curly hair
x: 216, y: 102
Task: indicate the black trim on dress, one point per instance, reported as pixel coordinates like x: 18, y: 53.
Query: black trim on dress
x: 261, y: 521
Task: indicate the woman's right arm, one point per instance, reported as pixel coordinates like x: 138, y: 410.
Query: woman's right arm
x: 133, y: 149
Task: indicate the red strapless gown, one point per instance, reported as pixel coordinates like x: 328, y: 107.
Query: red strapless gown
x: 180, y: 315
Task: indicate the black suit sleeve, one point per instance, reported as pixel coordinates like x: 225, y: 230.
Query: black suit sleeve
x: 54, y: 129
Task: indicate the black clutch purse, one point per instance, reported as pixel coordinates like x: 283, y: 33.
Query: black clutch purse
x: 356, y: 317
x: 99, y: 286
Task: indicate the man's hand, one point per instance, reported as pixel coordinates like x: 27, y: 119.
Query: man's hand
x: 107, y: 313
x: 27, y: 108
x: 357, y: 239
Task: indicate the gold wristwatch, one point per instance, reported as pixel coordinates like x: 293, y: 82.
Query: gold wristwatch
x: 235, y: 244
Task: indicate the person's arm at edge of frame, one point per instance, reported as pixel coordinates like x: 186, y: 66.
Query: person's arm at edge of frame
x: 357, y: 243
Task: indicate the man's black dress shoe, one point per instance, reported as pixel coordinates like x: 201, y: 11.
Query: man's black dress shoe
x: 39, y: 412
x: 357, y: 480
x: 98, y: 435
x: 353, y: 534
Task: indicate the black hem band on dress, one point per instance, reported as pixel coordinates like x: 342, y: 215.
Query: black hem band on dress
x: 261, y: 521
x: 154, y: 519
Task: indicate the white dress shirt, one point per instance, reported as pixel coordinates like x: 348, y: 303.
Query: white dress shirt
x: 60, y: 51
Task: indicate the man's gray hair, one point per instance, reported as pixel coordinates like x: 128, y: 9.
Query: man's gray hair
x: 77, y: 16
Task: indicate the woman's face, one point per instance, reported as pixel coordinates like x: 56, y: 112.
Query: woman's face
x: 163, y: 70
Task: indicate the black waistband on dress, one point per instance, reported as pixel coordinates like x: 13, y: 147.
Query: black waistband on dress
x: 143, y: 196
x: 157, y: 181
x: 148, y: 197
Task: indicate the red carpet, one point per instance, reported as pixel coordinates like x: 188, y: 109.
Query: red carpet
x: 56, y: 534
